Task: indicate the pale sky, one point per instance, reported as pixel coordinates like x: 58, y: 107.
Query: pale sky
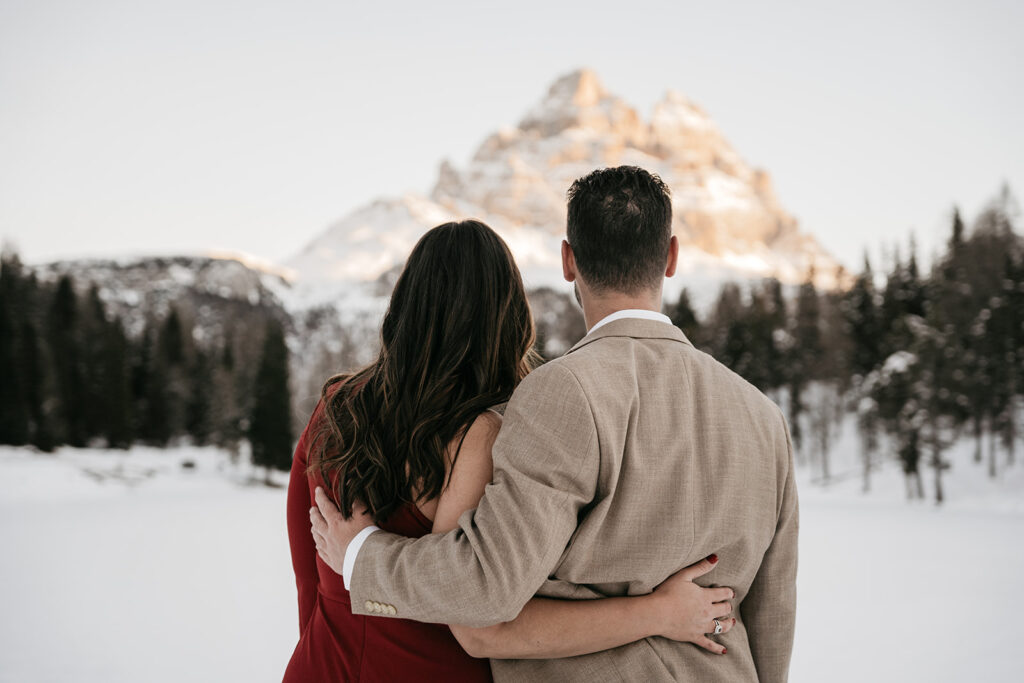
x: 137, y: 127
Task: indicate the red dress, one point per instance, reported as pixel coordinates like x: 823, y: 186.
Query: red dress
x: 336, y: 646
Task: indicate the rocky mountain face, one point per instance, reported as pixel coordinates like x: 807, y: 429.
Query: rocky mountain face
x: 726, y: 215
x: 209, y: 291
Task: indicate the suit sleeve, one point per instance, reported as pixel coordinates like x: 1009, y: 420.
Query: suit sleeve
x: 299, y: 537
x: 546, y: 461
x: 769, y: 609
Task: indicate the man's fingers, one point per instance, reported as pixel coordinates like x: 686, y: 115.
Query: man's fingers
x: 700, y: 568
x: 317, y: 521
x: 710, y: 645
x: 327, y: 508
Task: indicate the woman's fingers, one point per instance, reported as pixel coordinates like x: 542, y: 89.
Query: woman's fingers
x: 710, y: 645
x: 699, y: 568
x: 719, y: 594
x: 721, y: 609
x: 727, y: 625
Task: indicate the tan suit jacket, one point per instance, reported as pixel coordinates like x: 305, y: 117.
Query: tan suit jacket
x: 630, y: 457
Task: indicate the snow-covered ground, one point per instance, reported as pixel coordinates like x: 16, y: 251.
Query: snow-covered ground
x: 127, y: 567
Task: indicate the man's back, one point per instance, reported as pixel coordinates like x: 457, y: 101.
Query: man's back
x: 631, y: 457
x: 693, y: 461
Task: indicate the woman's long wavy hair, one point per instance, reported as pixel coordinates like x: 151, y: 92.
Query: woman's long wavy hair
x: 457, y: 338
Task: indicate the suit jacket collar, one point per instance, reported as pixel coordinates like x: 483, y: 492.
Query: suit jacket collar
x: 637, y: 328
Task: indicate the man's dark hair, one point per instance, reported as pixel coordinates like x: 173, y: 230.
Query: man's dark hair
x: 619, y: 228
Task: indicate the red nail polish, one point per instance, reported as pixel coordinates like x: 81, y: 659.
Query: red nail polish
x: 712, y: 558
x: 724, y: 650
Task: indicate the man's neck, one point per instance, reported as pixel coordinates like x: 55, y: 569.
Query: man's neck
x: 597, y: 308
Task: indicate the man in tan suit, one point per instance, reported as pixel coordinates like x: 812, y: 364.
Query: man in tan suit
x: 630, y: 457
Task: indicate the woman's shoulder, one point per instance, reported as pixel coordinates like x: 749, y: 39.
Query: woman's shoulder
x: 486, y: 426
x: 470, y: 469
x: 478, y: 439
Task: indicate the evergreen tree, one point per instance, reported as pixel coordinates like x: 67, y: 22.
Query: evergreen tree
x: 761, y: 360
x: 721, y: 335
x: 1000, y: 330
x: 684, y: 317
x: 862, y: 325
x: 117, y: 386
x: 14, y: 411
x: 893, y: 389
x: 983, y: 262
x: 270, y: 430
x: 172, y: 365
x: 226, y: 415
x: 956, y: 239
x: 149, y: 389
x: 36, y: 385
x: 804, y: 353
x: 63, y: 323
x: 831, y: 371
x: 780, y: 342
x: 198, y: 419
x: 93, y: 339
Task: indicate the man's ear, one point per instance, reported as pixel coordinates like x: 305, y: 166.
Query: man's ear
x: 568, y: 262
x: 673, y: 256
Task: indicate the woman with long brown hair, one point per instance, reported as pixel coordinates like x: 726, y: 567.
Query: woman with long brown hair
x: 409, y: 438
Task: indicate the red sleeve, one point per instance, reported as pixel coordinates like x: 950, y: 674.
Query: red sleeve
x: 299, y: 537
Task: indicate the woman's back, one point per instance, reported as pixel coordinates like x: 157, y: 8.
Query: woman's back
x: 456, y: 339
x: 334, y: 644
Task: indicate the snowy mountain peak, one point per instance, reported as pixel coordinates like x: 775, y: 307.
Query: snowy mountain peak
x: 582, y: 87
x: 726, y: 214
x: 579, y: 102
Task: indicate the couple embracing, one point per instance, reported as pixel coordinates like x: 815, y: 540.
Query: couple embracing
x: 626, y: 512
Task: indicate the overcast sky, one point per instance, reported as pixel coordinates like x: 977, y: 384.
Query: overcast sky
x: 131, y: 127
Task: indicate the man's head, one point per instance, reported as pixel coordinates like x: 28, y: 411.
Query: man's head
x: 620, y: 232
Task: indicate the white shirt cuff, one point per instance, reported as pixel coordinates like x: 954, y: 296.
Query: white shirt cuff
x: 352, y: 551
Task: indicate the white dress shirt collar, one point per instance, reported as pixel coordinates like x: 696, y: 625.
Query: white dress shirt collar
x: 632, y: 313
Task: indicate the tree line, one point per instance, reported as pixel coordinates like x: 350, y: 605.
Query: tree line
x: 920, y: 358
x: 70, y: 374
